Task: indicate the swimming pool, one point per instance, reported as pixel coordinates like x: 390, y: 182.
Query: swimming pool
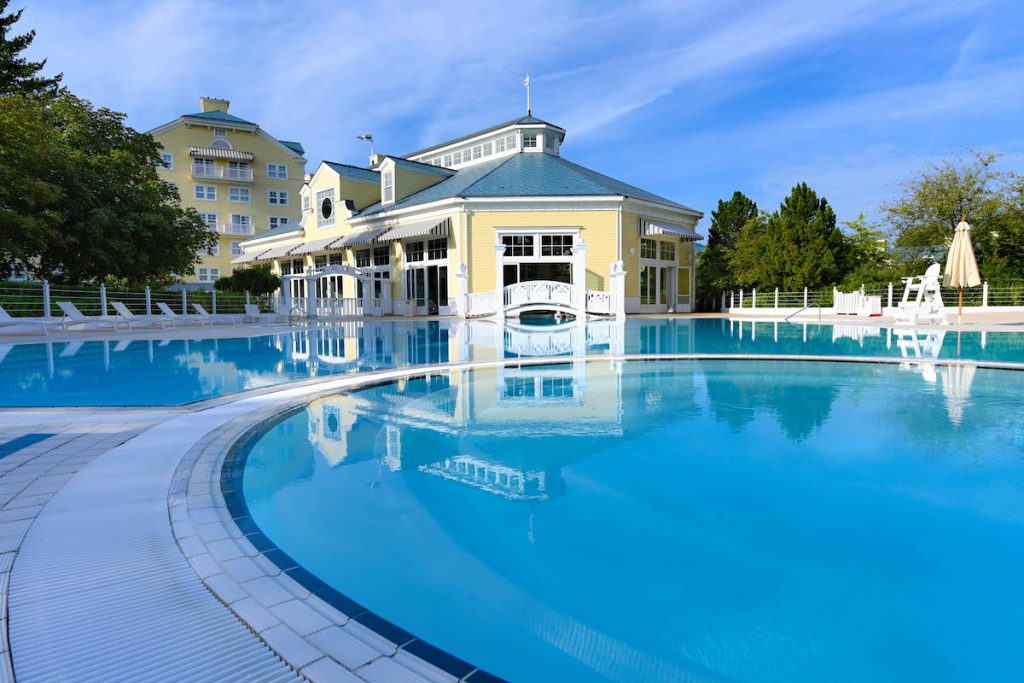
x: 669, y: 520
x: 174, y: 372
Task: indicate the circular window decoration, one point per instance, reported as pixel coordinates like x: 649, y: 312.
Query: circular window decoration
x: 326, y: 208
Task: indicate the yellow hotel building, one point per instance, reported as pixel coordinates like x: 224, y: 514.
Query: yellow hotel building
x: 492, y: 223
x: 241, y: 180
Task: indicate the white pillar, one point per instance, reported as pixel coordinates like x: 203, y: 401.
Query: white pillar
x: 741, y: 298
x: 499, y: 279
x: 984, y: 296
x: 310, y: 284
x: 617, y: 283
x: 753, y: 300
x: 776, y: 298
x: 213, y: 302
x: 149, y: 302
x: 103, y: 298
x: 462, y: 281
x: 890, y: 296
x: 46, y: 299
x: 723, y: 301
x: 579, y: 276
x: 805, y: 298
x: 184, y: 302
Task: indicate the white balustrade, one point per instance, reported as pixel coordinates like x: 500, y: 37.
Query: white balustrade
x: 539, y: 292
x: 599, y: 302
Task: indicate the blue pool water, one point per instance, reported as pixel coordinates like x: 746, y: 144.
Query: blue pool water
x: 151, y: 372
x: 671, y: 520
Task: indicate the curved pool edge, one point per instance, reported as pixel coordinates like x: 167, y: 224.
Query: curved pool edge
x: 226, y: 549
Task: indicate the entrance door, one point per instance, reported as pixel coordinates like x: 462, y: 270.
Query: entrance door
x: 427, y: 288
x: 684, y: 303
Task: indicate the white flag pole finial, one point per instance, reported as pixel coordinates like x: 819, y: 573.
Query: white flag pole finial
x: 527, y: 84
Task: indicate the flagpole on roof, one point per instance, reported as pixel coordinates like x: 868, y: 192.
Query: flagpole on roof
x: 527, y: 84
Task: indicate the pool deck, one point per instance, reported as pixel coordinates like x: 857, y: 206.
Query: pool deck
x: 121, y: 561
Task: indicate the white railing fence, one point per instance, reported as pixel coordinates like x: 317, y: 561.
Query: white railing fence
x: 481, y: 304
x: 39, y: 300
x: 599, y: 302
x: 539, y: 292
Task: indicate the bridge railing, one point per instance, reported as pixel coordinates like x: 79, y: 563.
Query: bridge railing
x: 481, y: 304
x: 539, y: 292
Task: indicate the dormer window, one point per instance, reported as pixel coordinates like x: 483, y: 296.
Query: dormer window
x: 388, y: 190
x: 529, y: 142
x: 220, y: 132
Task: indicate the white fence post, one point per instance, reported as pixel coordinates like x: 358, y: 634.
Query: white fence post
x: 732, y: 298
x: 890, y: 295
x: 149, y: 303
x: 741, y: 298
x: 805, y: 297
x: 184, y: 302
x: 499, y: 279
x: 753, y: 300
x: 462, y: 278
x: 247, y: 302
x: 723, y: 301
x: 213, y: 302
x: 984, y: 294
x: 776, y: 297
x: 579, y: 275
x: 103, y: 298
x: 46, y: 299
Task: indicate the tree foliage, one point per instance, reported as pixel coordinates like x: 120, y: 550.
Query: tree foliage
x: 256, y: 280
x: 714, y: 273
x: 17, y: 74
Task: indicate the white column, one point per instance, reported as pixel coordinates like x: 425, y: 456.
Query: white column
x: 46, y: 298
x: 462, y: 284
x: 617, y: 282
x: 776, y: 297
x: 741, y: 298
x: 310, y: 285
x: 890, y: 296
x: 579, y: 276
x: 149, y: 302
x: 103, y: 298
x: 984, y: 296
x: 368, y: 297
x: 753, y: 300
x: 499, y: 279
x: 805, y: 297
x: 184, y: 302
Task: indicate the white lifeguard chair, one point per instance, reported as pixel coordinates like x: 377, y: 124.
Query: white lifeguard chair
x: 922, y: 299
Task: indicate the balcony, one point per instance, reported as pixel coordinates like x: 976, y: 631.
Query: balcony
x: 236, y: 229
x: 229, y: 174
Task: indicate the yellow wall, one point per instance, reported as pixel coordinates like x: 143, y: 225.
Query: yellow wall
x: 177, y: 141
x: 408, y: 181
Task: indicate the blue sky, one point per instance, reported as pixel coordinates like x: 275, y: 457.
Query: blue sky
x: 690, y: 100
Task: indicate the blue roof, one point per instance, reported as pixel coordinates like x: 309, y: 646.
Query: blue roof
x: 220, y: 116
x: 293, y: 146
x: 525, y: 175
x: 355, y: 172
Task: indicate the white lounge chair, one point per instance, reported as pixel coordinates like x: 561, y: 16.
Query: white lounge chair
x: 124, y: 314
x: 211, y: 318
x: 922, y: 299
x: 178, y: 317
x: 73, y: 316
x: 7, y: 320
x: 253, y: 315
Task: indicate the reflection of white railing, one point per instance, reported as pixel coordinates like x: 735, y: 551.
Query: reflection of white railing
x: 539, y: 292
x: 599, y: 302
x: 481, y: 303
x: 543, y: 341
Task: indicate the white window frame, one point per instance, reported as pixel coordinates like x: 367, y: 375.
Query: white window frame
x: 207, y: 218
x: 240, y: 190
x: 168, y: 159
x: 277, y: 197
x: 239, y: 220
x: 387, y: 192
x: 208, y: 193
x: 276, y: 221
x: 214, y: 250
x: 236, y: 248
x: 277, y: 171
x: 214, y: 274
x: 321, y: 221
x: 307, y: 202
x: 203, y: 274
x: 220, y: 132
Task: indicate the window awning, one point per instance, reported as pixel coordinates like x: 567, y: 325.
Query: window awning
x: 433, y: 228
x: 249, y: 257
x: 277, y: 252
x: 214, y: 153
x: 314, y: 245
x: 649, y: 227
x: 364, y: 237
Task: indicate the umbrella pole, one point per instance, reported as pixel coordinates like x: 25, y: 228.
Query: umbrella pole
x: 960, y: 315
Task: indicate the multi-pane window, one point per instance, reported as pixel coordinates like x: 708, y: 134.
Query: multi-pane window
x: 486, y: 149
x: 476, y: 152
x: 447, y: 159
x: 362, y: 258
x: 236, y: 248
x: 204, y: 168
x: 648, y: 249
x: 414, y: 252
x: 203, y: 274
x: 214, y: 250
x: 325, y: 208
x: 297, y: 265
x: 210, y: 219
x: 241, y: 224
x: 239, y: 195
x: 437, y: 249
x: 510, y: 141
x: 499, y: 145
x: 518, y: 245
x: 277, y: 197
x: 206, y: 192
x: 220, y: 132
x: 286, y: 267
x: 305, y: 202
x: 529, y: 141
x: 556, y: 245
x: 277, y: 171
x: 668, y: 251
x: 239, y: 170
x: 276, y: 221
x: 456, y: 157
x: 214, y: 274
x: 556, y: 387
x: 520, y: 387
x: 320, y: 261
x: 388, y: 192
x: 381, y: 256
x: 168, y: 160
x: 336, y: 259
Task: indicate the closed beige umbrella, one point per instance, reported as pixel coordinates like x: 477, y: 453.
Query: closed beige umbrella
x: 961, y: 268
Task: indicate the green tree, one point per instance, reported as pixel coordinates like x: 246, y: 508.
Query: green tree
x: 80, y: 199
x: 714, y: 272
x: 17, y: 74
x: 797, y: 246
x: 256, y: 280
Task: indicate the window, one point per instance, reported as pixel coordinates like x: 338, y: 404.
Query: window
x: 204, y: 168
x: 239, y: 170
x: 362, y: 258
x: 239, y: 195
x: 381, y: 256
x: 305, y: 202
x: 486, y: 149
x: 648, y: 285
x: 214, y: 250
x: 499, y: 145
x: 236, y: 248
x: 549, y: 142
x: 510, y: 141
x: 457, y: 157
x: 556, y: 245
x: 206, y: 192
x: 214, y: 274
x: 276, y: 221
x: 388, y: 193
x: 220, y: 143
x: 556, y: 387
x: 210, y: 219
x: 277, y: 197
x: 277, y: 171
x: 476, y: 152
x: 518, y: 245
x: 668, y: 251
x: 220, y: 132
x: 413, y: 252
x: 325, y: 208
x: 286, y: 267
x: 529, y: 142
x: 241, y: 224
x: 337, y: 259
x: 320, y: 261
x: 447, y: 159
x: 437, y: 249
x: 204, y: 275
x: 520, y: 387
x: 168, y: 160
x: 648, y: 249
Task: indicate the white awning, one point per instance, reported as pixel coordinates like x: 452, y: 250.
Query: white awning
x: 213, y: 153
x: 649, y: 227
x: 363, y: 237
x: 434, y: 228
x: 314, y: 245
x: 249, y: 257
x: 277, y: 252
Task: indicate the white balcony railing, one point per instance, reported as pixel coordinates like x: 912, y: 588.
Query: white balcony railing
x: 241, y: 174
x: 236, y: 229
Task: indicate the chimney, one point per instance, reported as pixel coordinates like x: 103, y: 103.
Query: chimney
x: 213, y: 104
x: 375, y: 160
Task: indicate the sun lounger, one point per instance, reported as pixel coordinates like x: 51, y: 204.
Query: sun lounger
x: 253, y: 315
x: 129, y: 318
x: 206, y: 315
x: 73, y: 316
x: 7, y: 320
x: 179, y: 318
x: 70, y: 349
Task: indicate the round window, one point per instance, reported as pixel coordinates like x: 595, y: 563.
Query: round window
x: 326, y: 208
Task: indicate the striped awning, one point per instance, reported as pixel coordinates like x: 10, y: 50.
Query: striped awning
x: 277, y: 252
x: 213, y: 153
x: 434, y: 228
x: 364, y: 237
x: 650, y: 227
x: 250, y: 256
x: 315, y: 245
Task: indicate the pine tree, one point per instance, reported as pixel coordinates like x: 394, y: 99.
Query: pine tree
x: 18, y: 76
x: 714, y: 273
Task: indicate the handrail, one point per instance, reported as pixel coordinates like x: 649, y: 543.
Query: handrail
x: 818, y: 306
